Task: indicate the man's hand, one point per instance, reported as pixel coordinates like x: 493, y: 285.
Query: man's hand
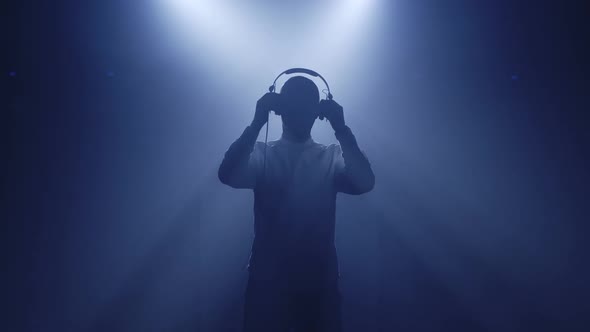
x: 332, y: 111
x: 264, y: 105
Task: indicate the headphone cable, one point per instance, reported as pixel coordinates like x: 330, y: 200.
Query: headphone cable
x: 265, y: 143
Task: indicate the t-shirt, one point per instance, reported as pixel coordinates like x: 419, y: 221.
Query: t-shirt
x: 295, y: 189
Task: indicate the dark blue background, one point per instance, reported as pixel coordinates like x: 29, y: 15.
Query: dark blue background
x: 114, y: 220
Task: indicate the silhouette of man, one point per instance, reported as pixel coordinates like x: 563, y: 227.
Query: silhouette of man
x: 293, y: 269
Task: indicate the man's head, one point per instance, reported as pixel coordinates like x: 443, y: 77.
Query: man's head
x: 299, y: 105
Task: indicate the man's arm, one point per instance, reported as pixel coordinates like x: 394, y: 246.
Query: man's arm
x: 353, y: 173
x: 354, y: 176
x: 239, y: 167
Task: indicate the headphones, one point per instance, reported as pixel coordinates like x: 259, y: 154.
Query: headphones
x: 301, y: 71
x: 274, y: 85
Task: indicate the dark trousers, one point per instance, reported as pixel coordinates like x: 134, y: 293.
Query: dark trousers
x: 286, y: 305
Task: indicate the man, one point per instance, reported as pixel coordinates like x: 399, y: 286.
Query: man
x: 293, y: 269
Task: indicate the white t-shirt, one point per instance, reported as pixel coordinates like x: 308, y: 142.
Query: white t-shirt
x: 295, y: 199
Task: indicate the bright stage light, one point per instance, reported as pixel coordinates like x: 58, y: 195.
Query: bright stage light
x: 255, y: 40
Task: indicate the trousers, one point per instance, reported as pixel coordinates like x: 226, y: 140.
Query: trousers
x: 287, y: 304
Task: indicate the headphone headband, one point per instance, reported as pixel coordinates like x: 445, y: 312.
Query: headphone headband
x: 303, y: 71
